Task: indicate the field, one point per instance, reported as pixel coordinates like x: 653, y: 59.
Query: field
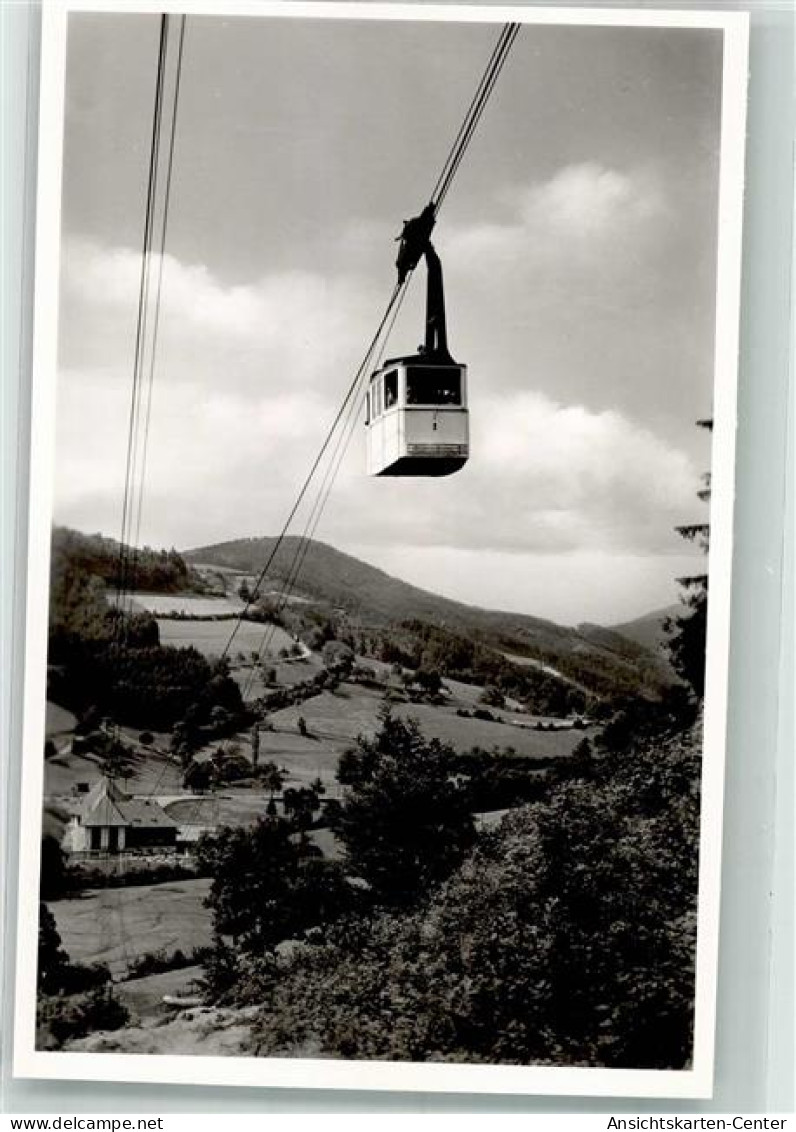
x: 57, y: 720
x: 115, y: 925
x: 211, y: 637
x: 153, y: 773
x: 228, y: 808
x: 192, y: 604
x: 295, y: 670
x: 144, y: 997
x: 334, y: 720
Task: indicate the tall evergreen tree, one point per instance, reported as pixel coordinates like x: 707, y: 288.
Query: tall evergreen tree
x: 688, y: 631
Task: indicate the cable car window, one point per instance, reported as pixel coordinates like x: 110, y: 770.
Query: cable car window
x: 390, y: 388
x: 377, y: 398
x: 433, y: 385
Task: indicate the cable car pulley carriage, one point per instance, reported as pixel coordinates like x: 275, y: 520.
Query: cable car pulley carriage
x: 417, y: 418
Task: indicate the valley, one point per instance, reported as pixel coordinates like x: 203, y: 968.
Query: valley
x: 313, y: 673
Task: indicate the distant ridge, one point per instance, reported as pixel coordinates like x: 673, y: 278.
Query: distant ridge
x: 335, y: 578
x: 595, y: 656
x: 649, y: 630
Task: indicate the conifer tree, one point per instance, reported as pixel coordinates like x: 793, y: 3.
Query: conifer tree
x: 688, y: 631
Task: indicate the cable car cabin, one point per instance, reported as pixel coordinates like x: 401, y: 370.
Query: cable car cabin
x: 417, y: 418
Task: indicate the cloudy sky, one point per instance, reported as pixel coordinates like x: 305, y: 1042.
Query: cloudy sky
x: 579, y: 248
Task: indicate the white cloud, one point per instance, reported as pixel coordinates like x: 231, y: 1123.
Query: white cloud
x: 542, y: 477
x: 284, y: 330
x: 591, y: 200
x: 581, y: 212
x: 249, y: 376
x: 191, y: 295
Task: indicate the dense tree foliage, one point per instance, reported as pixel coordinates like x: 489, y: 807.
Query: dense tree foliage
x: 113, y: 662
x: 145, y: 569
x: 566, y: 937
x: 405, y: 821
x: 52, y: 957
x: 152, y: 686
x: 434, y: 650
x: 55, y: 880
x: 61, y: 1018
x: 396, y: 622
x: 56, y: 974
x: 267, y: 885
x: 687, y: 643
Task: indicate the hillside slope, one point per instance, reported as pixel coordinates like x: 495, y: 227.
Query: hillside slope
x: 649, y: 631
x: 601, y: 660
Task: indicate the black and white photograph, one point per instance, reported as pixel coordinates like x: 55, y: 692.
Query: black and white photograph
x: 381, y: 507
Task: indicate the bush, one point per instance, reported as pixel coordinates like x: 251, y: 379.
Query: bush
x: 51, y: 957
x: 493, y: 697
x: 160, y: 873
x: 55, y: 875
x: 221, y: 969
x: 67, y: 1018
x: 404, y: 822
x: 565, y: 938
x: 154, y: 962
x: 266, y: 886
x: 77, y: 978
x: 485, y: 715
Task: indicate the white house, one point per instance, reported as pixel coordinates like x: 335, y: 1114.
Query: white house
x: 110, y: 821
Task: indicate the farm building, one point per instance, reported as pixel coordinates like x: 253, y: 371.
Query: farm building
x: 110, y: 821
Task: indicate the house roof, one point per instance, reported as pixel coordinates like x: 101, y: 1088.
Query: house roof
x: 107, y: 805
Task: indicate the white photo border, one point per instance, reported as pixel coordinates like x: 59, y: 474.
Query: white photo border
x: 696, y: 1082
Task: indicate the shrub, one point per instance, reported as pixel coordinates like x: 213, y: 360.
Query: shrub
x: 55, y: 875
x: 266, y: 886
x: 67, y: 1018
x: 154, y: 962
x: 77, y: 978
x: 565, y: 938
x: 404, y: 822
x: 485, y: 715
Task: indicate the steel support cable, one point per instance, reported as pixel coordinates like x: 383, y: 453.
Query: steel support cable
x: 141, y: 396
x: 343, y: 438
x: 341, y: 445
x: 344, y: 414
x: 313, y: 520
x: 450, y: 167
x: 462, y: 141
x: 315, y: 464
x: 123, y: 563
x: 330, y: 475
x: 161, y: 255
x: 158, y: 293
x: 133, y: 490
x: 507, y: 41
x: 475, y: 99
x: 504, y: 47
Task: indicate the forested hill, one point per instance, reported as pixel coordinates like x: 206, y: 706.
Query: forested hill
x: 155, y: 571
x: 649, y: 630
x: 600, y: 660
x: 332, y: 578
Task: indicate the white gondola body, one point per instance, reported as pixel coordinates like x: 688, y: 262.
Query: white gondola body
x: 417, y: 419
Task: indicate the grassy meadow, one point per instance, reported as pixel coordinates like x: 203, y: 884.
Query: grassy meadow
x: 211, y: 637
x: 118, y: 925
